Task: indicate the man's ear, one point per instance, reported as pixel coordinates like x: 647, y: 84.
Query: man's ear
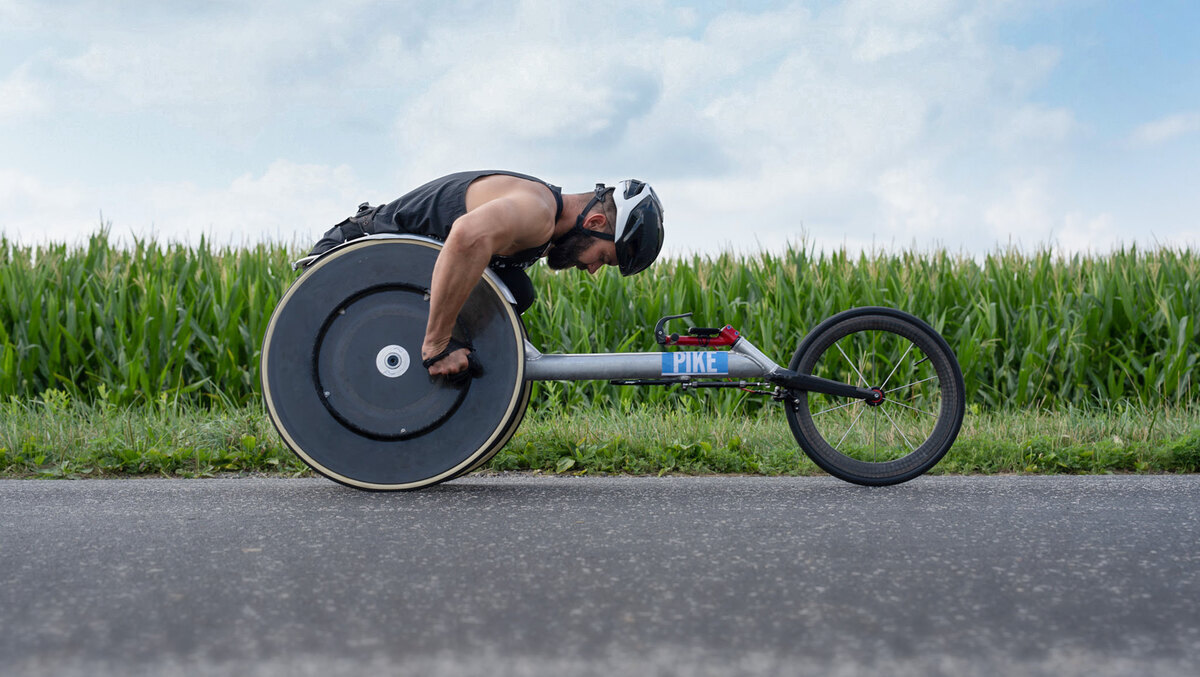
x: 597, y: 222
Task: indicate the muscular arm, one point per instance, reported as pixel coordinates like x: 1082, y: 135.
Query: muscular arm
x: 492, y: 228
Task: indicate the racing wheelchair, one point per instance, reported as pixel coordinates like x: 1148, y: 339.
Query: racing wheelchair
x: 872, y: 395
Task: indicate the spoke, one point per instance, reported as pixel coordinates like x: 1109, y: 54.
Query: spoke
x: 909, y: 385
x: 919, y: 411
x: 840, y: 406
x: 875, y: 437
x: 856, y: 371
x: 898, y: 363
x: 902, y: 435
x: 852, y: 424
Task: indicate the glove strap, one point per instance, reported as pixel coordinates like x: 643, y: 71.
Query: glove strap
x: 454, y: 345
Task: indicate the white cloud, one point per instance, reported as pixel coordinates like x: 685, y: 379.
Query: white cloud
x: 33, y: 211
x: 288, y: 202
x: 1029, y: 214
x: 853, y: 123
x: 876, y: 30
x: 214, y: 65
x: 840, y: 122
x: 1166, y: 129
x: 14, y: 14
x: 1034, y: 123
x: 530, y: 95
x: 913, y: 202
x: 1089, y: 234
x: 20, y: 95
x: 206, y: 72
x: 1025, y: 212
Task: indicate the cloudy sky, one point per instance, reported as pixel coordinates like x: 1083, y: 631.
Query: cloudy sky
x: 1073, y: 124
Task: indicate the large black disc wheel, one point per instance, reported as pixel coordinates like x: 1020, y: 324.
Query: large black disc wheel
x: 914, y: 418
x: 342, y: 375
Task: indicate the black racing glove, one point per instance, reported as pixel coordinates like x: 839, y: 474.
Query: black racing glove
x: 474, y: 367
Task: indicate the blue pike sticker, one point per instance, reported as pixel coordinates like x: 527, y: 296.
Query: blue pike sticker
x: 695, y: 363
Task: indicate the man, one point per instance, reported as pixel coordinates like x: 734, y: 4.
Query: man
x: 507, y: 221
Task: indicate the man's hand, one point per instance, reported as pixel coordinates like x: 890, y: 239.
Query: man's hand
x: 454, y: 363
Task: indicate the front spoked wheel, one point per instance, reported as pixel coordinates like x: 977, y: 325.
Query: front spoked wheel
x: 916, y: 414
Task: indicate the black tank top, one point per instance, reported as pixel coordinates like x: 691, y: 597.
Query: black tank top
x: 432, y: 209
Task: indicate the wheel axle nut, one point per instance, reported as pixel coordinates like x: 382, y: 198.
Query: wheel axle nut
x: 392, y: 361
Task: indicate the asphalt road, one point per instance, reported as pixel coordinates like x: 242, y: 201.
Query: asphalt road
x: 525, y: 575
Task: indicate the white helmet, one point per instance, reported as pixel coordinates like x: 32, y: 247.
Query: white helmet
x: 638, y: 233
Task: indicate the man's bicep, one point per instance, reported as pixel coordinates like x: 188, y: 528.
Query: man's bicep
x: 507, y: 222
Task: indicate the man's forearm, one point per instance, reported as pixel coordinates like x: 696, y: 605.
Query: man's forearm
x: 458, y: 268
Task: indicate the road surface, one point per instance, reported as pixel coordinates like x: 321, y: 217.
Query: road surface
x: 531, y: 575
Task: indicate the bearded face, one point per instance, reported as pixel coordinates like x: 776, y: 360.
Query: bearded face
x: 566, y: 254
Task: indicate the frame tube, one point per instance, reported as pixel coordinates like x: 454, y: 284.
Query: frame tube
x: 745, y: 361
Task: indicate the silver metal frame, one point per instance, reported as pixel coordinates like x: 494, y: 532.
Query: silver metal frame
x: 745, y: 361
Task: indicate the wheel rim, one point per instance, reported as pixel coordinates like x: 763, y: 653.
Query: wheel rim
x: 901, y: 432
x: 342, y: 380
x: 361, y: 366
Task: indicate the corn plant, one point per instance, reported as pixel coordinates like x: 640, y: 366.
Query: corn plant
x: 1031, y: 330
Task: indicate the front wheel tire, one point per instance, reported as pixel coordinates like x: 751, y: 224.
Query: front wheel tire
x: 914, y: 420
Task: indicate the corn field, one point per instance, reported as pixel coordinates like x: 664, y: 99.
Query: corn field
x: 128, y: 324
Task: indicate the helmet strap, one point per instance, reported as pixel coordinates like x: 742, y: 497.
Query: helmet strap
x: 600, y: 191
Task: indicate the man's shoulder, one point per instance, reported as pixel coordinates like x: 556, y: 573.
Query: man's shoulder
x: 511, y: 182
x: 525, y: 193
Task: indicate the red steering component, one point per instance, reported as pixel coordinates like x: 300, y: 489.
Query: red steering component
x: 726, y: 337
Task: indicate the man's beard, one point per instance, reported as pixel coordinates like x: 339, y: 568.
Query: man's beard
x: 566, y: 254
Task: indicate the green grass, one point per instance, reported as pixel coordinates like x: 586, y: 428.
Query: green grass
x: 55, y: 437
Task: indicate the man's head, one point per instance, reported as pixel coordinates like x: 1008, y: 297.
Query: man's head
x: 582, y: 247
x: 619, y: 226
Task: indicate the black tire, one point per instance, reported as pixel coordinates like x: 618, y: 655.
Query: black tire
x: 509, y: 429
x: 506, y: 434
x: 914, y: 423
x: 342, y: 376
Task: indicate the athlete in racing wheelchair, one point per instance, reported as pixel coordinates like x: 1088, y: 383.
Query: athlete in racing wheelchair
x: 506, y: 221
x: 873, y: 395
